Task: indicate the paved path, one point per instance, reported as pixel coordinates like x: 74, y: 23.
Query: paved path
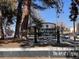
x: 47, y: 48
x: 33, y: 58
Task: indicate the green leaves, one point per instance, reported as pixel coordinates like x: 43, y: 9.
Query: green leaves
x: 74, y: 11
x: 57, y: 4
x: 38, y: 7
x: 77, y: 1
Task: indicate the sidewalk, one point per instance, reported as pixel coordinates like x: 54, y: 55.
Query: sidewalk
x: 47, y: 48
x: 34, y: 58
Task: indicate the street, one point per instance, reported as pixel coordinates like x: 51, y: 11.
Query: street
x: 36, y: 52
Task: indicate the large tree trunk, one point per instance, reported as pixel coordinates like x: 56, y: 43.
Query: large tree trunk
x: 1, y: 28
x: 25, y: 17
x: 22, y: 17
x: 19, y: 17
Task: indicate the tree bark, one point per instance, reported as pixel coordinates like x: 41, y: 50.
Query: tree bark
x: 22, y: 17
x: 1, y: 27
x: 25, y: 17
x: 19, y: 17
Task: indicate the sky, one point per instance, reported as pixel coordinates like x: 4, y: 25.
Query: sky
x: 49, y: 15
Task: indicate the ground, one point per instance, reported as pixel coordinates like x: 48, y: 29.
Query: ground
x: 14, y: 44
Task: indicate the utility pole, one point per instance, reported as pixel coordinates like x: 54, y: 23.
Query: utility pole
x: 73, y: 16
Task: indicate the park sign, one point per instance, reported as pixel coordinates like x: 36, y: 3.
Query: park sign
x: 48, y: 31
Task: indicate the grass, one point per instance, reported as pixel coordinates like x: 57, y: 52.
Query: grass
x: 16, y: 40
x: 12, y: 40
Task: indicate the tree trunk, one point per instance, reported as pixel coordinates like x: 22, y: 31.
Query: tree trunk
x: 25, y: 17
x: 1, y: 27
x: 19, y: 17
x: 22, y: 17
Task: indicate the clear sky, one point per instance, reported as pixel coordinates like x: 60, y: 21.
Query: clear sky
x: 49, y: 15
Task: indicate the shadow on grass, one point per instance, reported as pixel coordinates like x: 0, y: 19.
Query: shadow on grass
x: 24, y: 45
x: 30, y: 43
x: 62, y: 45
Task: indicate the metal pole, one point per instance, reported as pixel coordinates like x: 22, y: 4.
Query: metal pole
x: 74, y: 30
x: 58, y: 35
x: 35, y: 35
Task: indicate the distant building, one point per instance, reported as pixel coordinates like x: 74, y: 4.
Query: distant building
x: 66, y: 31
x: 48, y: 25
